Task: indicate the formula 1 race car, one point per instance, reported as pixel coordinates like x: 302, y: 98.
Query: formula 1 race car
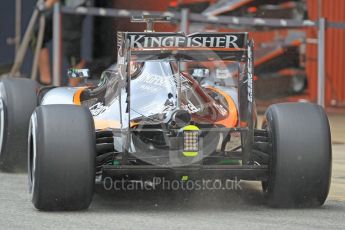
x: 149, y: 117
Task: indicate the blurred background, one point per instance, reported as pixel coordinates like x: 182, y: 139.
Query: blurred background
x: 287, y: 64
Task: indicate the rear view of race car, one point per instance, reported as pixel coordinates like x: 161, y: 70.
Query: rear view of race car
x: 150, y: 117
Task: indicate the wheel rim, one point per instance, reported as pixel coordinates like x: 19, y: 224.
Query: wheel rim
x: 32, y: 153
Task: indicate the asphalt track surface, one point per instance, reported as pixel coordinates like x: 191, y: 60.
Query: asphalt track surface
x: 207, y: 209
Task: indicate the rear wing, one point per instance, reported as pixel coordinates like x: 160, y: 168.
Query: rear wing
x: 180, y: 47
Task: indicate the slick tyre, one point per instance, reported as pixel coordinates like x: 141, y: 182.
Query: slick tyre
x: 301, y: 155
x: 62, y: 157
x: 17, y: 102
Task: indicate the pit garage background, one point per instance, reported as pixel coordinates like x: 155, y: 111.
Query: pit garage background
x: 335, y: 44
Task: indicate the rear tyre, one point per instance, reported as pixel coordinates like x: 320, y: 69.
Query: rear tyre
x: 17, y: 102
x: 61, y: 157
x: 300, y: 164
